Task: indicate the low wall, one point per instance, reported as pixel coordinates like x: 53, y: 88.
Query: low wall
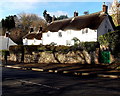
x: 57, y: 57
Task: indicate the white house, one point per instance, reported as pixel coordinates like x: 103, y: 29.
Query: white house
x: 5, y: 42
x: 85, y: 28
x: 33, y: 38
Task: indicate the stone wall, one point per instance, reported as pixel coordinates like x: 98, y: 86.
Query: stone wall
x: 49, y: 57
x: 81, y: 57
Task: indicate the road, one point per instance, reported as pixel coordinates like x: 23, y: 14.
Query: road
x: 31, y: 83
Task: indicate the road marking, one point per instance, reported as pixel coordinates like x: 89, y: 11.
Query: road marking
x: 66, y: 71
x: 37, y: 69
x: 38, y: 84
x: 13, y: 67
x: 108, y: 76
x: 56, y: 71
x: 51, y: 71
x: 85, y: 73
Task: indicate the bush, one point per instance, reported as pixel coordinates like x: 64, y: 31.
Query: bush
x: 88, y: 46
x: 111, y: 39
x: 4, y: 52
x: 16, y: 49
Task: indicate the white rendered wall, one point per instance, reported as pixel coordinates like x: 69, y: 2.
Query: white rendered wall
x: 4, y: 41
x: 31, y: 42
x: 68, y: 35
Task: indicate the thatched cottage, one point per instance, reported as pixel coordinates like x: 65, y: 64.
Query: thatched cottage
x: 85, y: 28
x: 33, y: 38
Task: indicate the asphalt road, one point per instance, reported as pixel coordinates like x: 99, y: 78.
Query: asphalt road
x: 30, y: 83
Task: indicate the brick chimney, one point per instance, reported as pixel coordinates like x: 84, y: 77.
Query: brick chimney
x: 75, y: 13
x: 40, y: 29
x: 53, y: 18
x: 31, y: 29
x: 7, y: 34
x: 105, y: 8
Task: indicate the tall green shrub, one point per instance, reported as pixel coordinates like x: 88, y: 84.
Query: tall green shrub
x: 111, y: 39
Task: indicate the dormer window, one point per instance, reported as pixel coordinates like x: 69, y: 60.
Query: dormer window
x: 95, y: 30
x: 48, y: 34
x: 60, y: 34
x: 85, y: 30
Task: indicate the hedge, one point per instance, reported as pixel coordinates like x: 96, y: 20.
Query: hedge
x: 4, y: 52
x: 111, y: 39
x: 88, y: 46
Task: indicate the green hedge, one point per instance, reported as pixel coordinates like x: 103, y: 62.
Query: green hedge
x: 4, y: 52
x: 111, y: 39
x: 88, y: 46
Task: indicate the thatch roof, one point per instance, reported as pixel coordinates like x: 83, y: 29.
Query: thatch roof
x: 91, y: 21
x: 33, y: 35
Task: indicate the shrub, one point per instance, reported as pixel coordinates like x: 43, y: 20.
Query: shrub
x: 88, y: 46
x: 111, y: 39
x: 4, y: 52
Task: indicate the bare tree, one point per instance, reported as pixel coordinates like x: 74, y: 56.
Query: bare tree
x: 27, y: 20
x: 114, y: 11
x: 23, y: 22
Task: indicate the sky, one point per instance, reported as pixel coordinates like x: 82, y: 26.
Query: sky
x: 53, y: 7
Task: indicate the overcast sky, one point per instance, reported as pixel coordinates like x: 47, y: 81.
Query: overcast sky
x: 54, y: 7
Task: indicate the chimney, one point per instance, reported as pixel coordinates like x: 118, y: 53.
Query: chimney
x: 31, y: 29
x: 75, y: 13
x: 40, y: 29
x: 105, y: 8
x: 7, y: 34
x: 53, y: 18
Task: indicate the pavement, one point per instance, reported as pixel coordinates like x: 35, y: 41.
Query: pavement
x: 20, y: 82
x: 89, y: 70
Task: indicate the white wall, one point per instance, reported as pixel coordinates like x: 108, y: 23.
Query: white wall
x: 31, y: 42
x: 68, y: 35
x: 4, y: 41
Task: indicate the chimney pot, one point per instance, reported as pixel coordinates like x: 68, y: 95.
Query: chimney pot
x: 7, y: 34
x: 105, y: 8
x: 40, y: 29
x: 75, y: 13
x: 31, y: 29
x: 53, y: 18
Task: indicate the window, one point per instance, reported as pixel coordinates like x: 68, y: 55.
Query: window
x: 85, y: 30
x: 68, y: 42
x: 109, y: 30
x: 105, y: 26
x: 60, y: 34
x: 82, y: 31
x: 48, y: 34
